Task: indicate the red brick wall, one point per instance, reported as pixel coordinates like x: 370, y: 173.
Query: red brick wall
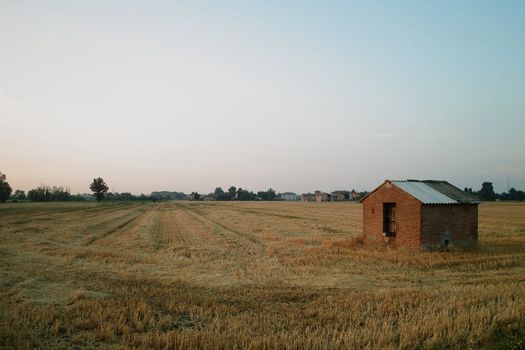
x: 456, y: 222
x: 408, y: 225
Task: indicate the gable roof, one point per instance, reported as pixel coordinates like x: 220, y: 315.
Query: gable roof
x: 433, y: 192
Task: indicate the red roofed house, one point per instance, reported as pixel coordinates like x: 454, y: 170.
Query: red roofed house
x: 417, y: 214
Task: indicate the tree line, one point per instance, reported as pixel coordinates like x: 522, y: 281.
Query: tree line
x: 49, y: 194
x: 487, y: 193
x: 241, y: 194
x: 44, y: 193
x: 100, y: 189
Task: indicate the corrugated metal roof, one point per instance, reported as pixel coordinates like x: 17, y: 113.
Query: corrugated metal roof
x: 424, y: 193
x: 434, y: 192
x: 451, y: 191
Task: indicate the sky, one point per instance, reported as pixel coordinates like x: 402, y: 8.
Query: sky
x: 293, y: 95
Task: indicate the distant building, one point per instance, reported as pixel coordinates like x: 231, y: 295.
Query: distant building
x: 323, y: 197
x: 347, y: 194
x: 338, y: 197
x: 415, y: 214
x: 288, y: 196
x: 308, y: 197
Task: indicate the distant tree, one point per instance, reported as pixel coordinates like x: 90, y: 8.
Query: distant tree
x: 99, y: 188
x: 245, y: 195
x: 195, y: 196
x: 241, y: 194
x: 220, y: 195
x: 78, y: 198
x: 167, y: 195
x: 468, y: 190
x: 232, y: 191
x: 268, y: 195
x: 45, y: 193
x: 362, y: 194
x: 124, y: 196
x: 515, y: 195
x: 60, y: 194
x: 19, y: 195
x: 487, y: 192
x: 39, y: 194
x: 5, y: 189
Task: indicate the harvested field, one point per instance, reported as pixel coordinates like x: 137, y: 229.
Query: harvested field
x: 254, y: 275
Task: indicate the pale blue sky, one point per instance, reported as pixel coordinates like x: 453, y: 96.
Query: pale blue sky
x: 290, y: 94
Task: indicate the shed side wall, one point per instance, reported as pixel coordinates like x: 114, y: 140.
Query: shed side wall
x: 457, y: 223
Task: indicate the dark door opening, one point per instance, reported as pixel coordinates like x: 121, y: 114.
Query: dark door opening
x: 389, y: 219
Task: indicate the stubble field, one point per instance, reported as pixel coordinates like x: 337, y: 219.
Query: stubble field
x: 257, y: 275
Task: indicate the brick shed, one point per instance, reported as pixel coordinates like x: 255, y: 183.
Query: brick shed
x: 417, y: 214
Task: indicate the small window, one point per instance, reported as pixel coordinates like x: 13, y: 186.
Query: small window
x: 389, y: 219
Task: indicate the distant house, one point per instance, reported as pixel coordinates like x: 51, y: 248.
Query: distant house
x: 338, y: 197
x: 354, y: 195
x: 416, y: 214
x: 288, y: 196
x: 346, y: 194
x: 308, y: 197
x: 323, y: 197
